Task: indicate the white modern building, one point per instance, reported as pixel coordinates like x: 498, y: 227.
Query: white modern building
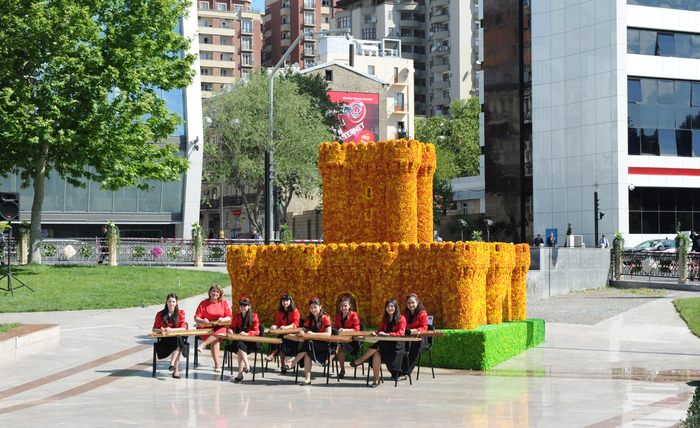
x: 615, y: 108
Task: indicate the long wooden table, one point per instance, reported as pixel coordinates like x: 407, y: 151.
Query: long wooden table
x: 283, y: 331
x: 429, y: 333
x: 373, y: 339
x: 214, y: 324
x: 320, y: 338
x: 200, y: 332
x: 256, y: 339
x: 369, y: 333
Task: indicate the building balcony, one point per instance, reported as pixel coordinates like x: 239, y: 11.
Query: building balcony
x: 440, y: 84
x: 325, y: 10
x: 366, y: 25
x: 211, y: 31
x: 413, y: 40
x: 440, y: 101
x: 413, y: 56
x: 267, y: 18
x: 285, y: 28
x: 268, y: 48
x: 439, y: 3
x: 325, y: 26
x: 247, y: 48
x: 251, y: 65
x: 441, y: 35
x: 285, y: 11
x: 286, y: 43
x: 400, y: 109
x: 208, y: 63
x: 408, y: 23
x: 419, y: 89
x: 441, y: 51
x: 419, y: 73
x: 268, y: 34
x: 401, y: 79
x: 309, y: 5
x: 209, y: 47
x: 441, y: 68
x: 408, y: 6
x: 217, y: 79
x: 437, y: 19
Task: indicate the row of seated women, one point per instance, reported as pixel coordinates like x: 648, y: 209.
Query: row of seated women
x: 413, y: 320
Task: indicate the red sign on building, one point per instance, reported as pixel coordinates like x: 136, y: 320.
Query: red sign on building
x: 360, y: 117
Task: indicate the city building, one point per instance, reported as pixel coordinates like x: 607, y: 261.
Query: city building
x: 230, y: 40
x: 166, y: 211
x: 441, y: 36
x: 285, y: 20
x: 606, y: 100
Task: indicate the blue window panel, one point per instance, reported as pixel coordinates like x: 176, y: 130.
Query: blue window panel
x: 681, y: 4
x: 696, y: 144
x: 667, y: 117
x: 695, y: 113
x: 682, y: 45
x: 667, y: 4
x: 76, y: 198
x: 24, y: 195
x: 695, y: 46
x: 683, y: 118
x: 649, y: 116
x: 682, y: 95
x: 100, y: 200
x: 633, y: 141
x: 54, y: 190
x: 695, y: 95
x: 650, y: 94
x: 667, y: 142
x: 695, y: 5
x: 634, y: 91
x: 635, y: 222
x: 174, y: 100
x: 647, y: 42
x: 150, y: 201
x: 172, y: 196
x: 633, y: 115
x: 666, y: 45
x: 666, y: 91
x: 125, y: 199
x: 633, y: 41
x: 7, y: 184
x: 684, y: 144
x: 650, y: 141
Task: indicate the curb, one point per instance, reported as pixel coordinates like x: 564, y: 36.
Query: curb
x: 27, y: 336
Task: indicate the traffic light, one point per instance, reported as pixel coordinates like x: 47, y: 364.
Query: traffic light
x: 597, y: 205
x: 277, y: 195
x: 601, y: 215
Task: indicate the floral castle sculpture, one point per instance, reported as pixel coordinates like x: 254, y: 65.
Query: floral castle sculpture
x: 378, y: 243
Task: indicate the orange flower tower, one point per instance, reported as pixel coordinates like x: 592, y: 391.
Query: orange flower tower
x: 378, y: 243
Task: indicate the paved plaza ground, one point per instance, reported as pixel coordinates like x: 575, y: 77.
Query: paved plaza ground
x: 629, y: 369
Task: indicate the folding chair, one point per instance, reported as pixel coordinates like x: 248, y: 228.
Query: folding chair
x: 184, y: 351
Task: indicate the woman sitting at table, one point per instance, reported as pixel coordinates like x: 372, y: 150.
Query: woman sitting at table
x: 214, y: 309
x: 287, y: 317
x: 246, y: 324
x: 346, y: 320
x: 317, y: 323
x: 393, y: 324
x: 416, y: 321
x: 171, y: 318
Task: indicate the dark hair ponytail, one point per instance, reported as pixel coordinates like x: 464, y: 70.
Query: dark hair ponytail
x: 175, y: 318
x: 392, y: 321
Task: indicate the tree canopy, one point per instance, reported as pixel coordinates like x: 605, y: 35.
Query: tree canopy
x: 237, y: 140
x: 456, y: 141
x: 315, y: 85
x: 81, y: 85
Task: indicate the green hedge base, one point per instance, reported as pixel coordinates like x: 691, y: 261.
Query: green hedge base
x: 485, y: 346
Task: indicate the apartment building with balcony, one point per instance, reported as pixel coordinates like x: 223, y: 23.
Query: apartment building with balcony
x: 285, y: 20
x: 440, y: 36
x: 230, y: 40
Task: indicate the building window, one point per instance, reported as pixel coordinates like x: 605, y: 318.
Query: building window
x: 309, y: 49
x: 446, y: 93
x: 391, y: 16
x: 650, y: 42
x: 221, y: 7
x: 206, y: 86
x: 245, y: 74
x: 203, y: 5
x: 204, y: 71
x: 247, y: 43
x: 370, y: 70
x: 309, y: 18
x: 225, y: 41
x: 369, y: 34
x: 205, y: 55
x: 309, y: 63
x: 660, y: 209
x: 669, y: 4
x: 344, y: 22
x: 226, y: 57
x: 205, y: 40
x: 368, y: 19
x: 398, y: 99
x: 238, y: 7
x: 203, y: 23
x: 309, y: 3
x: 247, y: 59
x: 247, y: 26
x: 465, y: 208
x: 329, y: 75
x: 225, y: 72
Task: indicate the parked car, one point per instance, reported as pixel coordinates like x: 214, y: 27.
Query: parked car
x: 667, y: 246
x: 649, y: 245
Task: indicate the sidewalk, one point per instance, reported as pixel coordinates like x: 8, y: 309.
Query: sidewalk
x: 630, y: 370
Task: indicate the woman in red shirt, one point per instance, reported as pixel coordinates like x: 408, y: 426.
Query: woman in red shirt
x: 416, y: 321
x: 246, y: 324
x: 393, y: 324
x: 318, y: 322
x: 171, y: 318
x: 346, y: 320
x: 287, y: 317
x: 215, y: 308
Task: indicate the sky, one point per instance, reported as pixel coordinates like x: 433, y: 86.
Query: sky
x: 258, y: 5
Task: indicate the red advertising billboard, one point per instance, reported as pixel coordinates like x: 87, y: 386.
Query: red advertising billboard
x: 360, y: 117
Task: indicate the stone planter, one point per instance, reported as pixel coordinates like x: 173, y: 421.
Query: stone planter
x: 23, y: 249
x: 112, y: 251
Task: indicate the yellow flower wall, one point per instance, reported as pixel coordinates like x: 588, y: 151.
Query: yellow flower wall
x: 450, y: 278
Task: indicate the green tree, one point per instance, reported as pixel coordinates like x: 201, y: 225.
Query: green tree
x: 239, y: 136
x: 80, y: 93
x: 315, y: 85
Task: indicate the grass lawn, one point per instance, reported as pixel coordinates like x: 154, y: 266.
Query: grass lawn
x: 65, y: 288
x: 689, y: 309
x: 4, y: 328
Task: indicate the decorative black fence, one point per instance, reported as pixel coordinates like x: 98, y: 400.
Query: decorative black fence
x: 658, y: 264
x: 133, y: 251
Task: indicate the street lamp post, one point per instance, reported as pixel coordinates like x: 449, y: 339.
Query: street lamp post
x: 269, y: 183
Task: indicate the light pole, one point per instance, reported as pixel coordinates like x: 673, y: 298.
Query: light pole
x: 462, y: 224
x: 268, y: 180
x: 488, y: 223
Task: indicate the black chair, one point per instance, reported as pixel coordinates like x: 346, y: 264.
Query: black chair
x: 228, y: 356
x: 396, y: 378
x: 326, y: 365
x: 354, y: 357
x: 259, y: 349
x: 184, y: 351
x: 429, y: 350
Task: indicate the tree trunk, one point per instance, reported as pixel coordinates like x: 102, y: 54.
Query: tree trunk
x: 37, y: 205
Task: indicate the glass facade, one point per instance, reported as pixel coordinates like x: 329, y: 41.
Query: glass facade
x: 669, y: 4
x: 660, y: 209
x: 663, y: 43
x: 663, y: 117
